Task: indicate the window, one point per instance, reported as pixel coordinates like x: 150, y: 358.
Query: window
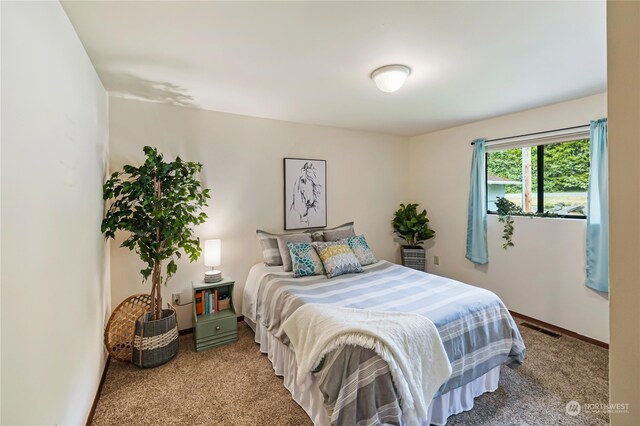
x: 549, y: 178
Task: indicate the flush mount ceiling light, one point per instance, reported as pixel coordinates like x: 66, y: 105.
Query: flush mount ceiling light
x: 390, y: 77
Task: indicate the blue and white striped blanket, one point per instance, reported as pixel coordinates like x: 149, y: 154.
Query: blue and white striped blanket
x: 476, y: 329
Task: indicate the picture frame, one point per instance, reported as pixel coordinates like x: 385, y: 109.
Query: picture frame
x: 305, y: 193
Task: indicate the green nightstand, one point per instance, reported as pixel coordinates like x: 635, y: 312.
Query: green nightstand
x: 215, y: 328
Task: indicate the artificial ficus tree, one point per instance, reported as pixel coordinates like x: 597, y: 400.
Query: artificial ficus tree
x: 157, y: 204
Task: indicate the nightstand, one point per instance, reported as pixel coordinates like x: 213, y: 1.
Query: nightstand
x: 213, y: 328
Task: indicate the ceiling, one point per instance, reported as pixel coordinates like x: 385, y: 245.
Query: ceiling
x: 309, y: 62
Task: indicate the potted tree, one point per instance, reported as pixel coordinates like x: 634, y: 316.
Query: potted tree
x: 412, y: 227
x: 157, y: 203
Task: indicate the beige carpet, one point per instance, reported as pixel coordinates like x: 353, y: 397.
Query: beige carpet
x: 235, y: 385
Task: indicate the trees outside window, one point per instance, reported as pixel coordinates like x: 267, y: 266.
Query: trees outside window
x: 558, y: 175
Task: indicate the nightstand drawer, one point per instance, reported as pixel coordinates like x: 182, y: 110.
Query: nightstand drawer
x: 213, y: 327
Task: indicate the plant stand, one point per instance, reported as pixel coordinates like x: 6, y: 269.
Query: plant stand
x: 413, y: 257
x: 155, y: 342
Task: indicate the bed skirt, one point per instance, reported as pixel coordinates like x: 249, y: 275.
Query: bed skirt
x: 309, y: 397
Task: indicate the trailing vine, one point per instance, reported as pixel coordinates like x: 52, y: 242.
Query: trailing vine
x: 506, y: 209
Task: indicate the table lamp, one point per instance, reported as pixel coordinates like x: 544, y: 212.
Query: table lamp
x: 212, y: 258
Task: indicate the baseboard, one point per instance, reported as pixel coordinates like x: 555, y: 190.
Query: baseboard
x: 190, y: 330
x: 560, y: 330
x: 98, y: 392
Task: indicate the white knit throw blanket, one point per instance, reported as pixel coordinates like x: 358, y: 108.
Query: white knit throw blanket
x: 409, y: 343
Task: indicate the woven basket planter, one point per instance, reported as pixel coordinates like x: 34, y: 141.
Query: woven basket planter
x: 155, y: 342
x: 118, y: 336
x: 413, y: 257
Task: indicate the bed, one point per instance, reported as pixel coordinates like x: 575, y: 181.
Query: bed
x: 353, y: 385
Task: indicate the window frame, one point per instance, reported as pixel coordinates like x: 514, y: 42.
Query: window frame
x: 540, y: 189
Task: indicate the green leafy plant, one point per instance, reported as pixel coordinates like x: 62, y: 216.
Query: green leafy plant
x: 157, y: 204
x: 411, y: 226
x: 506, y: 209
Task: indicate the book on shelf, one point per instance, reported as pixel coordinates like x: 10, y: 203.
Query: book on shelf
x: 199, y: 302
x: 212, y: 300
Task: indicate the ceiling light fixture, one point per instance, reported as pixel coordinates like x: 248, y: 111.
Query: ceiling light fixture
x: 390, y: 77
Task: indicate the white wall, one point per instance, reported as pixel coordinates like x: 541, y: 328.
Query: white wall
x: 623, y: 47
x: 242, y: 156
x: 55, y: 289
x: 543, y: 275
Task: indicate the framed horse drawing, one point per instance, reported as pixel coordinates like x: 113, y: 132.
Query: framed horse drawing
x: 305, y: 193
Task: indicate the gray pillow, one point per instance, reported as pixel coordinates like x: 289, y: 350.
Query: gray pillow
x: 320, y: 235
x: 316, y: 236
x: 285, y: 254
x: 338, y: 234
x: 270, y: 250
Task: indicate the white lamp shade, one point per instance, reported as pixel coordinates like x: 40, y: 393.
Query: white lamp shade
x: 391, y: 77
x: 212, y: 251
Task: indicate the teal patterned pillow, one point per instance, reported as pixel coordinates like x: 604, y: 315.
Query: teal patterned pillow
x: 361, y: 249
x: 337, y: 258
x: 304, y: 260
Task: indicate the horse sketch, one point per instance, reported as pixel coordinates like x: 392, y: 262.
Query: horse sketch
x: 306, y: 196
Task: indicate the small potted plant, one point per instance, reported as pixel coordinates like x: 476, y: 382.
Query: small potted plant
x: 157, y: 204
x: 412, y: 227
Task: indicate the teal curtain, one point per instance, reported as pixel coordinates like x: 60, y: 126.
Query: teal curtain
x: 598, y: 210
x: 477, y: 217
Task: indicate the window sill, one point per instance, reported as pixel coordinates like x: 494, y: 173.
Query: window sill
x: 543, y: 217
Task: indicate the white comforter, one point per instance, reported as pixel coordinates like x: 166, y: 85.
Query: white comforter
x: 410, y: 344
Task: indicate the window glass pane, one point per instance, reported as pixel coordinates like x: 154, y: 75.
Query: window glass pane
x: 566, y: 177
x: 506, y: 172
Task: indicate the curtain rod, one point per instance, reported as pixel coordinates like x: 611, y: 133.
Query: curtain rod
x: 536, y: 133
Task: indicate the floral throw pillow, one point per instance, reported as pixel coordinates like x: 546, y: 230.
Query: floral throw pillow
x: 337, y: 258
x: 361, y: 249
x: 304, y: 260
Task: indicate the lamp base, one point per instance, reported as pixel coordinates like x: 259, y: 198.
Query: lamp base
x: 212, y: 276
